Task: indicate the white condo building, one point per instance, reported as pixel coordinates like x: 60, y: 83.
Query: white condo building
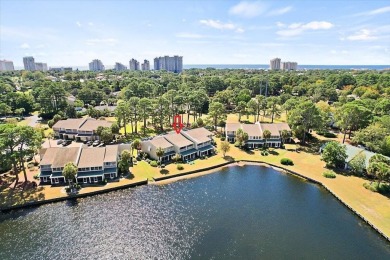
x: 120, y: 67
x: 41, y: 66
x: 6, y: 65
x: 96, y: 65
x: 134, y: 64
x: 288, y: 65
x: 29, y: 63
x: 172, y: 64
x: 275, y: 64
x: 145, y: 65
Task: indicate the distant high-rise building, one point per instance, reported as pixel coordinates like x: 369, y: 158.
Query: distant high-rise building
x: 134, y: 64
x: 120, y: 67
x: 145, y: 65
x: 6, y: 65
x: 29, y: 63
x: 96, y: 65
x: 41, y: 66
x: 275, y: 64
x: 173, y: 64
x: 288, y: 65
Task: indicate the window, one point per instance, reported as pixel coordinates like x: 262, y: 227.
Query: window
x: 95, y: 179
x: 44, y: 179
x: 85, y: 180
x: 56, y: 180
x: 112, y: 176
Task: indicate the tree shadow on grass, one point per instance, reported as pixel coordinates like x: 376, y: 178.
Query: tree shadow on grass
x: 228, y: 158
x: 251, y: 152
x: 23, y: 193
x: 273, y: 152
x: 129, y: 176
x: 164, y: 171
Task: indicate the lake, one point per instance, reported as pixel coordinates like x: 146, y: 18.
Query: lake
x: 239, y: 212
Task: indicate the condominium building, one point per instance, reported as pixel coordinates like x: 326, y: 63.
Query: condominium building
x: 145, y: 65
x: 172, y: 64
x: 255, y: 133
x: 288, y: 65
x: 120, y: 67
x: 6, y: 65
x: 94, y: 164
x: 29, y: 63
x: 41, y: 66
x: 275, y: 64
x: 189, y: 144
x: 134, y: 64
x: 96, y: 65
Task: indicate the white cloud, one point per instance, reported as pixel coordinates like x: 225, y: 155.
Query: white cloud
x: 381, y: 10
x: 216, y: 24
x: 318, y: 25
x: 189, y: 35
x: 280, y: 24
x: 109, y: 41
x: 78, y: 24
x: 90, y: 23
x: 248, y: 9
x: 280, y: 11
x: 295, y: 29
x: 25, y: 46
x: 362, y: 35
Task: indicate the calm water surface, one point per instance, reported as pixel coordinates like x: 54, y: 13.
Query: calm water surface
x: 240, y: 212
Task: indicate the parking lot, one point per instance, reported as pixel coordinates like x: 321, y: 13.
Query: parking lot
x: 53, y: 143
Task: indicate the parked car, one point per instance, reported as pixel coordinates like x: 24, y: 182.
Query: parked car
x: 66, y: 142
x: 96, y: 143
x: 101, y: 145
x: 89, y: 143
x: 60, y: 141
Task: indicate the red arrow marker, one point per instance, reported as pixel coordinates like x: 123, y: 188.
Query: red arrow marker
x: 177, y: 124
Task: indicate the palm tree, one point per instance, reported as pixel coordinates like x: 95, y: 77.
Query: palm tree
x: 380, y: 170
x: 49, y: 137
x: 136, y: 145
x: 160, y: 152
x: 284, y: 135
x: 69, y: 172
x: 266, y: 135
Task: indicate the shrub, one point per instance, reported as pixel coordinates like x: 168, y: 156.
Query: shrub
x: 264, y: 153
x: 223, y: 138
x: 329, y: 174
x: 329, y: 135
x: 382, y: 188
x: 36, y: 176
x: 67, y: 189
x: 180, y: 167
x: 286, y: 161
x: 153, y: 163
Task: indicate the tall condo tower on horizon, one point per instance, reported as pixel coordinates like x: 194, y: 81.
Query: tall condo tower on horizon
x: 145, y: 65
x: 6, y: 65
x: 29, y: 63
x: 172, y: 64
x: 134, y: 64
x: 96, y: 65
x: 120, y: 67
x: 275, y: 64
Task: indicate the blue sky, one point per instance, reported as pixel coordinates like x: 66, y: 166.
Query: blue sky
x: 203, y: 32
